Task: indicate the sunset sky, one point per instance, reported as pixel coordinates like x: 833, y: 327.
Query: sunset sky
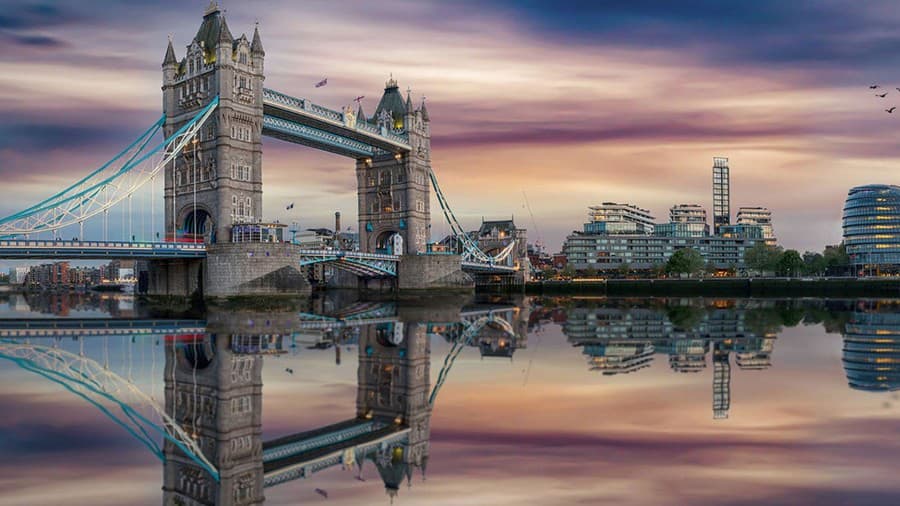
x: 573, y: 103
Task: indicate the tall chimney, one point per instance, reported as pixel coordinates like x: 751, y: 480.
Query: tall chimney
x: 337, y: 222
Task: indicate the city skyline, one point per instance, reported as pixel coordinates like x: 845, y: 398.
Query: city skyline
x: 583, y: 102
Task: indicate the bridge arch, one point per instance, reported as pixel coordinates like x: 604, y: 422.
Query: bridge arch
x: 202, y: 218
x: 386, y: 242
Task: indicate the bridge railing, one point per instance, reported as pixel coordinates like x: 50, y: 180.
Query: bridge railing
x: 27, y: 243
x: 349, y: 254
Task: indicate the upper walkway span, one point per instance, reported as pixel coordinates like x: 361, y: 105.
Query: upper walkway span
x: 300, y: 121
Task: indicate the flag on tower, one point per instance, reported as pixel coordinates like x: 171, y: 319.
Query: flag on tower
x: 357, y: 99
x: 321, y: 83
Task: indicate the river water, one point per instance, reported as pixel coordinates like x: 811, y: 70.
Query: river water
x: 488, y: 401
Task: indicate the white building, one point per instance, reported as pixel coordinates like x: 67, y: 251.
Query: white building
x: 17, y: 275
x: 759, y: 216
x: 612, y: 218
x: 685, y: 220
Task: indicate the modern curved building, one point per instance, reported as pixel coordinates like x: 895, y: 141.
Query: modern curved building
x: 872, y: 229
x: 872, y: 351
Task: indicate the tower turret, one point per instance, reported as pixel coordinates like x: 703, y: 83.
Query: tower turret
x: 226, y: 173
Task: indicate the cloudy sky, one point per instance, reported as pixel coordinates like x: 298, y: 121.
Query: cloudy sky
x: 570, y: 103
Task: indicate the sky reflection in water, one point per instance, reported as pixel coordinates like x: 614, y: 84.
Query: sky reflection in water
x: 552, y: 401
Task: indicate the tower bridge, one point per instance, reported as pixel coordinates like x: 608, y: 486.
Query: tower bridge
x: 216, y: 110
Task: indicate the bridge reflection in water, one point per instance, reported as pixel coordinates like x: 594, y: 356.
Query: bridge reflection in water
x: 210, y: 415
x: 206, y: 423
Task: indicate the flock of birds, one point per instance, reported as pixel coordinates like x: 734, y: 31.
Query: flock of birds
x: 883, y: 95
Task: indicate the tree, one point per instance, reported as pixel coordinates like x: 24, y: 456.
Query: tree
x: 789, y: 264
x: 685, y: 317
x: 548, y: 273
x: 814, y: 264
x: 658, y: 270
x: 762, y: 257
x: 685, y: 261
x: 568, y: 272
x: 624, y: 269
x: 710, y: 268
x: 836, y: 259
x: 590, y: 272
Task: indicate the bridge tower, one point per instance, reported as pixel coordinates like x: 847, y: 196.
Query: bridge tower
x: 219, y: 181
x: 394, y: 189
x: 393, y: 385
x: 216, y: 395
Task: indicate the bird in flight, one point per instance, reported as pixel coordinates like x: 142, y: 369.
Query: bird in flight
x: 322, y: 493
x: 890, y: 111
x: 874, y: 87
x: 882, y: 95
x: 289, y: 370
x: 898, y: 89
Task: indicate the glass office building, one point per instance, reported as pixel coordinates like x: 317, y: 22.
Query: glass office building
x: 872, y: 229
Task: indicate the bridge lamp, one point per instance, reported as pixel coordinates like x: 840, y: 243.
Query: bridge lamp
x: 398, y: 157
x: 368, y: 162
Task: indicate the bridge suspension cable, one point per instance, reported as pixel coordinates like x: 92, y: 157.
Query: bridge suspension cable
x: 471, y: 251
x: 108, y: 185
x: 471, y: 330
x: 103, y: 388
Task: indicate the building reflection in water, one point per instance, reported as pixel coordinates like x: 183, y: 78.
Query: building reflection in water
x: 871, y: 353
x: 625, y: 340
x: 214, y: 388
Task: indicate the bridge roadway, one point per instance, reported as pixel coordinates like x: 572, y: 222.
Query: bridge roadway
x: 87, y: 327
x: 97, y: 250
x: 356, y: 262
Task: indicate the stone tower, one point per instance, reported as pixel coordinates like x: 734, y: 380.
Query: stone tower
x: 394, y: 189
x: 216, y: 395
x: 222, y: 172
x: 393, y: 386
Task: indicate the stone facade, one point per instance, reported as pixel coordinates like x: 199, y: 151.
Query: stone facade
x: 254, y: 268
x: 394, y: 383
x: 217, y: 395
x: 430, y: 272
x: 394, y: 190
x: 223, y: 170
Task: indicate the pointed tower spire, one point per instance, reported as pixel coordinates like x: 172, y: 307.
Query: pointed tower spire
x: 170, y: 55
x: 256, y: 46
x: 424, y: 111
x: 409, y: 107
x: 360, y: 114
x: 225, y: 36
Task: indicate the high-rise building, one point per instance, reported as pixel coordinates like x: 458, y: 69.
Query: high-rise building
x: 721, y: 193
x: 59, y: 273
x: 758, y: 216
x: 612, y: 218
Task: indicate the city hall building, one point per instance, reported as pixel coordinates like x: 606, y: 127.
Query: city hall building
x: 872, y: 229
